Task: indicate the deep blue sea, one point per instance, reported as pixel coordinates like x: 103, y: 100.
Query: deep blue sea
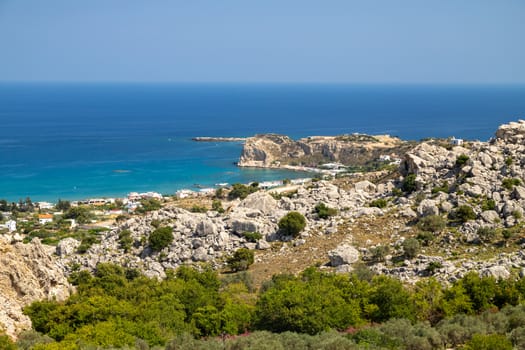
x: 67, y: 140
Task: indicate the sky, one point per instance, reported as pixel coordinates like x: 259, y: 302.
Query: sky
x: 292, y: 41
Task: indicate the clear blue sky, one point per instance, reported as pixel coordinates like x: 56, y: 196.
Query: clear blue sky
x: 367, y: 41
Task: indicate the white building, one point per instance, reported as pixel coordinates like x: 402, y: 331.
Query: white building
x: 45, y: 218
x: 456, y: 142
x: 11, y: 225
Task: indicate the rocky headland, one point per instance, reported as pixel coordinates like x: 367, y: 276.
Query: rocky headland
x: 273, y: 151
x: 463, y: 205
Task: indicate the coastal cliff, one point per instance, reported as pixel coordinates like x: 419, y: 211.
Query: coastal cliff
x: 28, y: 272
x: 273, y: 151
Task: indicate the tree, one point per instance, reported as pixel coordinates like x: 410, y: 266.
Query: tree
x: 411, y: 247
x: 161, y: 238
x: 62, y: 205
x: 292, y: 223
x: 125, y: 240
x: 409, y: 183
x: 80, y: 214
x: 241, y: 259
x: 242, y: 191
x: 432, y: 223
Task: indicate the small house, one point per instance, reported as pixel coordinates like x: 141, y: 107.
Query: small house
x: 456, y: 142
x: 45, y: 218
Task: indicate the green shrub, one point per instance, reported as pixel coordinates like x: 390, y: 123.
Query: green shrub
x: 486, y: 234
x: 432, y: 223
x: 462, y: 160
x: 488, y: 342
x: 509, y: 161
x: 411, y: 247
x: 509, y: 183
x: 443, y: 188
x: 409, y: 183
x: 292, y: 223
x: 160, y: 238
x: 488, y: 204
x: 217, y: 206
x: 397, y: 192
x: 323, y: 211
x: 433, y: 266
x: 198, y: 209
x: 464, y: 213
x: 252, y: 236
x: 241, y: 259
x: 149, y: 204
x: 242, y: 191
x: 125, y: 240
x: 425, y: 237
x: 379, y: 253
x: 378, y: 203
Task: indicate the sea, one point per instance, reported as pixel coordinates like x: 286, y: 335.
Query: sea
x: 82, y: 140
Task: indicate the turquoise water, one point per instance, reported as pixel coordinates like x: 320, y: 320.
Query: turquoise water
x: 71, y: 141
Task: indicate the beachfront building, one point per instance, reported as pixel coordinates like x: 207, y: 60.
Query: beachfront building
x: 45, y: 218
x: 181, y: 194
x: 11, y: 225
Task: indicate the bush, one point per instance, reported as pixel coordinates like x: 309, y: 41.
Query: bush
x: 488, y: 204
x: 125, y: 240
x: 443, y: 188
x: 379, y: 253
x: 241, y: 259
x: 411, y: 247
x: 509, y: 183
x: 378, y: 203
x: 292, y: 223
x: 217, y: 206
x: 432, y: 223
x: 242, y: 191
x: 160, y: 238
x: 486, y: 234
x: 409, y: 183
x: 488, y: 342
x: 198, y: 209
x: 149, y: 204
x: 464, y: 213
x: 425, y: 237
x: 462, y: 160
x: 252, y: 236
x: 324, y: 212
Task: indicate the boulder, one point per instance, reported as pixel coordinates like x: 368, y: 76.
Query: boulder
x: 205, y: 228
x: 365, y: 186
x: 427, y: 207
x: 498, y: 272
x: 344, y: 254
x: 261, y: 201
x: 67, y: 246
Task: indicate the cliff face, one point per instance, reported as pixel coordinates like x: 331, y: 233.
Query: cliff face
x: 27, y: 273
x: 270, y: 150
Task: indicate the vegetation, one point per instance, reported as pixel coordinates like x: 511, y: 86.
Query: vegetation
x: 411, y: 247
x: 252, y: 236
x: 80, y: 214
x: 198, y: 209
x: 242, y: 191
x: 241, y: 260
x: 63, y: 205
x: 161, y: 238
x: 409, y: 183
x: 432, y: 223
x: 464, y: 213
x: 217, y: 206
x: 119, y: 308
x: 461, y: 160
x: 323, y: 211
x: 509, y: 183
x: 292, y: 223
x: 378, y: 203
x: 125, y: 240
x: 149, y: 204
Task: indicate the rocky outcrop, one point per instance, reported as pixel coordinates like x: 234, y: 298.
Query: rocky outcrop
x: 344, y: 254
x: 28, y: 272
x: 271, y: 150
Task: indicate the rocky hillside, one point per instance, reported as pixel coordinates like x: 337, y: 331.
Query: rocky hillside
x: 460, y: 208
x: 271, y: 150
x: 28, y: 272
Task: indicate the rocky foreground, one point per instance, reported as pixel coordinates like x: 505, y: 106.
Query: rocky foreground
x: 434, y: 180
